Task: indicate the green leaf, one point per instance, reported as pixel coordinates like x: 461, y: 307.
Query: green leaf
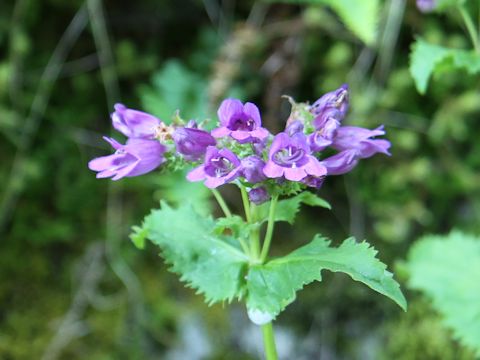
x: 287, y: 209
x: 138, y: 237
x: 175, y: 86
x: 427, y: 59
x: 205, y: 261
x: 360, y: 16
x: 447, y: 270
x: 272, y: 286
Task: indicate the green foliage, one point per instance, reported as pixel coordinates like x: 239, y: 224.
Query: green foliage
x: 360, y: 17
x: 205, y: 261
x: 288, y: 209
x: 427, y: 59
x: 272, y: 286
x: 447, y: 270
x: 174, y: 87
x: 443, y: 5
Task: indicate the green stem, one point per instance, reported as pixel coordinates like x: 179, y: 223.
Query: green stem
x: 269, y: 342
x: 246, y: 204
x: 222, y: 203
x: 270, y: 226
x: 255, y: 234
x: 470, y: 27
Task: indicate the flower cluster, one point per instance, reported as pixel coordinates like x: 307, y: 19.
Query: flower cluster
x: 313, y: 145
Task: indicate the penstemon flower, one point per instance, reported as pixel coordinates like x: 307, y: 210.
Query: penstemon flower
x: 241, y: 122
x: 226, y: 259
x: 137, y: 157
x: 220, y: 167
x: 191, y: 142
x: 290, y: 157
x: 134, y: 123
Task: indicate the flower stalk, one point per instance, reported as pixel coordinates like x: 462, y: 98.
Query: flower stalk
x: 270, y: 226
x: 221, y: 202
x: 269, y: 342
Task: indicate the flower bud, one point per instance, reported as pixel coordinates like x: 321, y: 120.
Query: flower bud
x: 191, y: 142
x: 258, y: 195
x: 252, y: 169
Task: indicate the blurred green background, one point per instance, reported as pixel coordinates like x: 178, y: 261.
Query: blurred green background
x: 72, y: 286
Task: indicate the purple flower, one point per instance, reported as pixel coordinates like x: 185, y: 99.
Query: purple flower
x: 314, y: 181
x: 192, y: 142
x: 220, y: 167
x: 426, y: 6
x: 360, y: 140
x: 137, y: 157
x: 252, y: 169
x: 333, y: 104
x: 324, y: 135
x: 341, y: 163
x: 294, y: 127
x: 290, y: 157
x: 134, y: 123
x: 241, y: 122
x: 258, y: 195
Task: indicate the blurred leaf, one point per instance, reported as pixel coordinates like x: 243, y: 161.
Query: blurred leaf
x: 175, y: 87
x: 443, y: 5
x: 360, y: 17
x: 427, y: 59
x: 206, y: 262
x: 287, y: 209
x: 272, y: 286
x: 138, y: 236
x: 447, y: 270
x: 175, y: 189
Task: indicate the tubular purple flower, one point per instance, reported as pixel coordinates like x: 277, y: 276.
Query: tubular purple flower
x: 137, y: 157
x: 290, y: 157
x: 426, y: 6
x: 252, y: 169
x: 220, y: 167
x: 314, y: 181
x: 333, y: 104
x: 191, y: 142
x: 341, y: 163
x: 258, y: 195
x: 323, y: 137
x: 134, y: 123
x: 241, y: 122
x: 294, y: 127
x: 360, y: 139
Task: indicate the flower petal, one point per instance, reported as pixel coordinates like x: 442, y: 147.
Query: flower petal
x: 273, y: 170
x: 227, y: 109
x: 295, y: 174
x: 196, y: 174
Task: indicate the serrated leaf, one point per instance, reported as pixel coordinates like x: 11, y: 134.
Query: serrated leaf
x: 287, y: 209
x: 272, y: 286
x: 447, y: 270
x: 205, y: 261
x: 427, y: 59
